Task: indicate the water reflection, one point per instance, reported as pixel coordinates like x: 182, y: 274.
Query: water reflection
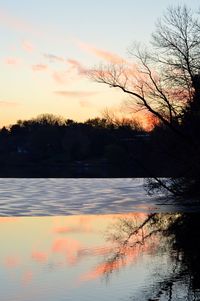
x: 131, y: 256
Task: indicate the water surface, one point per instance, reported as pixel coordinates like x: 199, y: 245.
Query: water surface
x: 34, y: 197
x: 74, y: 258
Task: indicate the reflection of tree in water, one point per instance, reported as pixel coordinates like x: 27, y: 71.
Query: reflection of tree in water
x: 177, y: 234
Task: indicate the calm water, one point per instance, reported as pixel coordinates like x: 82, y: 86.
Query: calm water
x: 73, y: 258
x: 25, y: 197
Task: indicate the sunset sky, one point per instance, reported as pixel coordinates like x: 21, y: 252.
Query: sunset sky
x: 46, y: 46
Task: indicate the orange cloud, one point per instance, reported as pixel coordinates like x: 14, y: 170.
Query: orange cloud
x: 39, y: 67
x: 103, y: 54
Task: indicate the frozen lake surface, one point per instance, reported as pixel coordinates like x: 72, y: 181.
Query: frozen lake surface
x: 36, y: 197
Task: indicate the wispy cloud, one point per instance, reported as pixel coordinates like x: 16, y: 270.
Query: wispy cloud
x: 103, y: 54
x: 76, y: 65
x: 53, y: 58
x: 75, y: 94
x: 39, y: 67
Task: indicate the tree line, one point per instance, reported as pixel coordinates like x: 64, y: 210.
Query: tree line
x: 51, y: 146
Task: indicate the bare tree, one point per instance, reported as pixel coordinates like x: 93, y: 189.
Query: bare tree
x: 164, y: 80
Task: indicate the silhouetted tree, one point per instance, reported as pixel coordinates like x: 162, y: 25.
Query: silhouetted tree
x: 165, y: 82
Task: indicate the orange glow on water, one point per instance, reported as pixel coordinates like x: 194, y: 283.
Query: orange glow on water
x: 39, y: 256
x: 74, y: 239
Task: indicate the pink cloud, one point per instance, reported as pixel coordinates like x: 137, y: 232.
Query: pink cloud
x: 76, y: 94
x: 74, y: 64
x: 39, y: 67
x: 27, y: 46
x: 63, y: 76
x: 103, y: 54
x: 60, y: 77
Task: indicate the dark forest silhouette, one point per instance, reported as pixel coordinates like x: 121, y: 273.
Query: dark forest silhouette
x: 49, y: 146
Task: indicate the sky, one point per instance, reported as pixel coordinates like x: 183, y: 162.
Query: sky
x: 47, y: 45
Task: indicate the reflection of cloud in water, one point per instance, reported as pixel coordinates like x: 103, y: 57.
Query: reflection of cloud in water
x: 66, y: 257
x: 39, y: 256
x: 129, y: 237
x: 68, y: 247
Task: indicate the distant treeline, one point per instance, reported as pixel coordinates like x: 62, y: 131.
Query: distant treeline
x: 49, y: 146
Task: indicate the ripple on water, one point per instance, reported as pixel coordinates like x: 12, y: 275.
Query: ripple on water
x: 76, y: 196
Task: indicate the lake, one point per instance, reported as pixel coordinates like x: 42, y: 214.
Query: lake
x: 75, y: 258
x: 82, y: 239
x: 36, y: 197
